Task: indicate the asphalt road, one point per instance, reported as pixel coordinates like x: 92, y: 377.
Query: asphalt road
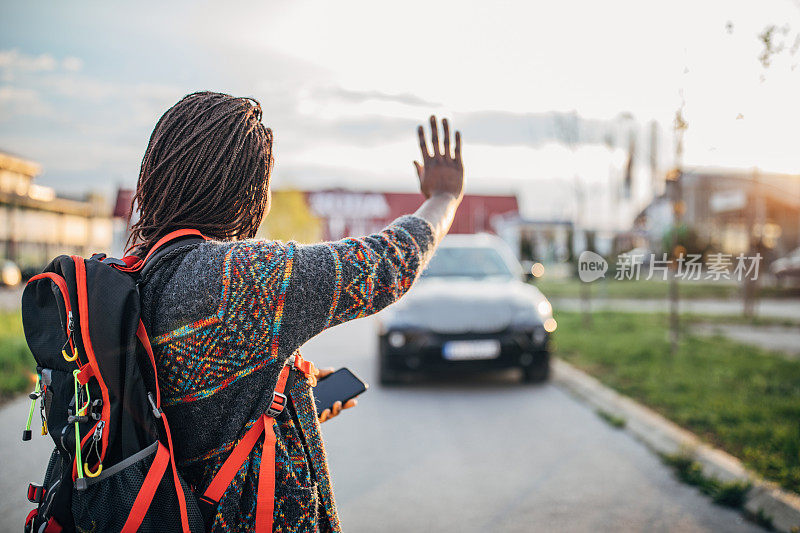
x: 464, y: 455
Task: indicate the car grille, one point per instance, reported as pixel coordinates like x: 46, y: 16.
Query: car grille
x: 467, y: 320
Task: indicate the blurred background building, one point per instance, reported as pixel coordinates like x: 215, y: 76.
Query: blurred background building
x: 36, y: 224
x: 322, y: 215
x: 727, y: 211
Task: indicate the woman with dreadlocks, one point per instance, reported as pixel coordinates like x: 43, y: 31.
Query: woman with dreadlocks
x: 227, y: 315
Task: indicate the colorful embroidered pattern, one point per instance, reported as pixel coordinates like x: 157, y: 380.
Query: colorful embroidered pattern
x: 374, y: 272
x: 199, y: 359
x: 337, y: 291
x: 217, y: 373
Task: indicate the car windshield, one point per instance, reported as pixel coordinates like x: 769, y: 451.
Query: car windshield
x: 467, y: 262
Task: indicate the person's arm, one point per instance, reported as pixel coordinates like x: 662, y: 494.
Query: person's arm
x: 339, y: 281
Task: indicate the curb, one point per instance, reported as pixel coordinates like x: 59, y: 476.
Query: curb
x: 666, y: 437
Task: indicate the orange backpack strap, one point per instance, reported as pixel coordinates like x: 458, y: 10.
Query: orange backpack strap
x: 134, y: 264
x: 306, y: 367
x: 165, y: 456
x: 265, y: 499
x: 171, y: 236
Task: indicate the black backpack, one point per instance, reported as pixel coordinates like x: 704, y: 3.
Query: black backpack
x: 100, y: 402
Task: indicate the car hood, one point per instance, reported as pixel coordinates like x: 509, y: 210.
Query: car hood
x: 460, y: 305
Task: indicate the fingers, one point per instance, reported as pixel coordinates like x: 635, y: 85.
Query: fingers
x: 423, y: 147
x: 324, y: 372
x: 327, y: 414
x: 318, y: 374
x: 419, y: 169
x: 458, y: 147
x: 446, y: 139
x: 435, y: 137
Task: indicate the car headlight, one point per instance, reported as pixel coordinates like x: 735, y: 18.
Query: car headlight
x: 525, y: 319
x: 396, y: 339
x: 531, y: 314
x: 544, y: 308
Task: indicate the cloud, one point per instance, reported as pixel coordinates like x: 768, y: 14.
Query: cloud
x: 18, y: 101
x: 14, y: 59
x: 360, y: 131
x: 72, y: 64
x: 501, y: 128
x: 364, y: 96
x: 14, y: 63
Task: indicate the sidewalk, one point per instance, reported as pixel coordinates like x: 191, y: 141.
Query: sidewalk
x: 665, y: 437
x: 29, y: 458
x: 768, y: 307
x: 774, y: 338
x: 10, y: 298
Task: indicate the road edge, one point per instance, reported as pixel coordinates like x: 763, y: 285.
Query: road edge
x: 666, y: 437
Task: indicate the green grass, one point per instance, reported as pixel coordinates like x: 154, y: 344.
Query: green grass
x: 612, y: 419
x: 16, y: 362
x: 658, y: 289
x: 728, y: 493
x: 742, y: 399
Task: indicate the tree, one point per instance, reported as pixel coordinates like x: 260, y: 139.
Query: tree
x: 291, y: 219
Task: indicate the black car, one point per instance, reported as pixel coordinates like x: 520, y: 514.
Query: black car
x: 470, y: 311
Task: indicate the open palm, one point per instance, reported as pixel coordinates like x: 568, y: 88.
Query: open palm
x: 440, y: 172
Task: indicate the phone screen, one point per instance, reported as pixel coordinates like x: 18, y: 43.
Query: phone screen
x: 340, y: 386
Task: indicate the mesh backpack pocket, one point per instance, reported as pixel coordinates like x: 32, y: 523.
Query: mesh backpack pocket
x: 108, y: 500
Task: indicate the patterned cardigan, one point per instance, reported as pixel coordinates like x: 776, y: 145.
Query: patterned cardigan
x: 224, y: 317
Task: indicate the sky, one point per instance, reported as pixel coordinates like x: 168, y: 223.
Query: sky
x: 344, y: 84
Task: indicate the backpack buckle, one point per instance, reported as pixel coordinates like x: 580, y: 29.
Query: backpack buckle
x: 35, y: 493
x: 277, y: 405
x: 297, y: 362
x: 156, y: 409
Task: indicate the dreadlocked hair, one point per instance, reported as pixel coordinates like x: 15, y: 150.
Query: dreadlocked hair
x: 207, y: 167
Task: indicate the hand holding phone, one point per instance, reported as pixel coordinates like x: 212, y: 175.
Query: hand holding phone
x: 340, y: 386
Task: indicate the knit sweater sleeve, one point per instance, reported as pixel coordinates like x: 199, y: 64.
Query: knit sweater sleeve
x: 338, y: 281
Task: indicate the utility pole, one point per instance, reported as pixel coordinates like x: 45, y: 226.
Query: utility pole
x: 756, y: 214
x: 586, y: 288
x: 568, y: 128
x: 678, y: 207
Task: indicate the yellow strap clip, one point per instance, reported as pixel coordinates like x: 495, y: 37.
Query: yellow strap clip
x: 89, y: 473
x: 67, y: 357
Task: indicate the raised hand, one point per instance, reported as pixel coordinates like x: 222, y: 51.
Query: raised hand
x: 440, y: 172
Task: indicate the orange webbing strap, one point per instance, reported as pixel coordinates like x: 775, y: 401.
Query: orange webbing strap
x: 177, y: 480
x: 137, y: 265
x: 171, y: 237
x: 306, y: 367
x: 265, y: 500
x: 142, y: 502
x: 141, y: 333
x: 234, y: 461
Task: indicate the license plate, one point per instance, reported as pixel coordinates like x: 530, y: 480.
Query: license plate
x: 466, y: 350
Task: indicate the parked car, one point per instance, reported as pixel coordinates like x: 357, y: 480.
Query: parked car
x: 786, y: 267
x: 470, y: 311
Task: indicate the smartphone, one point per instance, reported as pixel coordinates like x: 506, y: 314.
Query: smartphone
x: 339, y: 386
